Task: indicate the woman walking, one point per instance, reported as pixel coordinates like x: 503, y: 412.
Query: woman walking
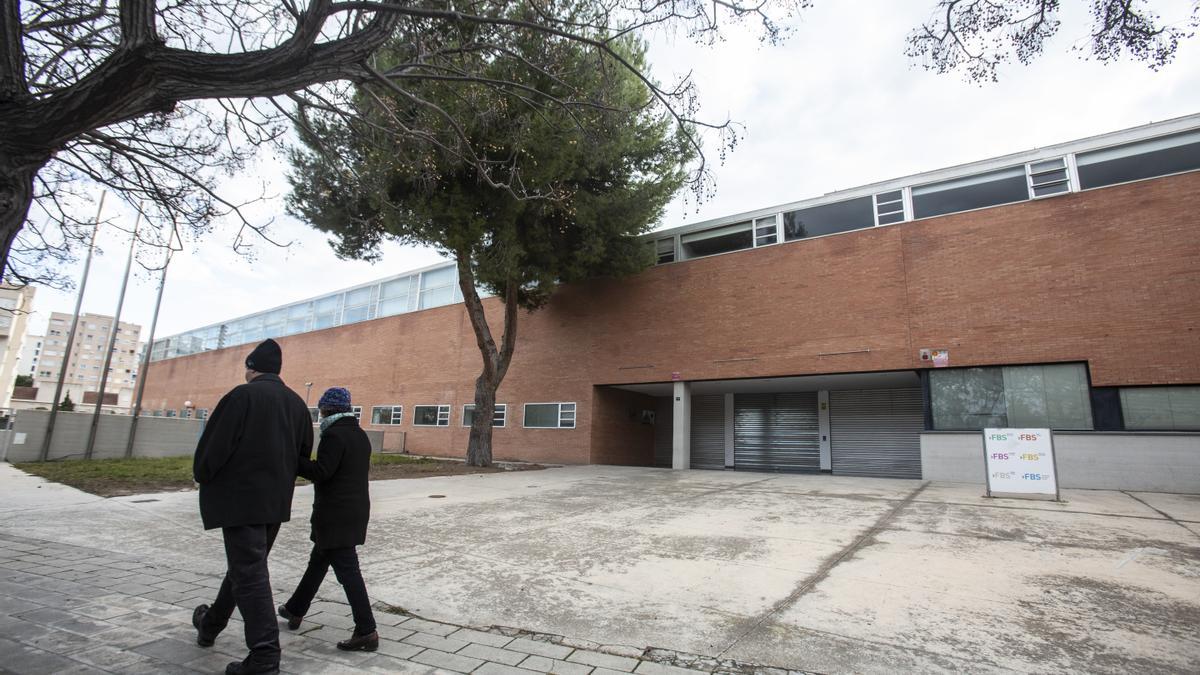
x: 341, y: 508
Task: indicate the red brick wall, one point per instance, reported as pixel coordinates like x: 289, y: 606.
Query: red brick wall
x: 1110, y: 276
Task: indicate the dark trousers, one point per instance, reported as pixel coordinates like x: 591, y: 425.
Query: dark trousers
x: 345, y: 568
x: 247, y: 585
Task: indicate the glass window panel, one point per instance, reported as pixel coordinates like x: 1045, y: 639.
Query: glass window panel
x: 967, y: 398
x: 717, y: 240
x: 443, y: 276
x: 852, y: 214
x: 359, y: 296
x: 498, y: 414
x: 426, y: 415
x: 1051, y: 189
x: 1097, y: 172
x: 890, y: 218
x: 1068, y: 402
x: 393, y: 306
x: 301, y: 311
x: 395, y: 288
x: 1052, y: 396
x: 1146, y: 408
x: 1025, y: 397
x: 895, y: 196
x: 1185, y: 407
x: 328, y: 304
x: 324, y: 321
x: 437, y: 297
x: 355, y: 314
x: 1047, y: 165
x: 381, y: 415
x: 1161, y: 408
x: 541, y: 415
x: 973, y: 192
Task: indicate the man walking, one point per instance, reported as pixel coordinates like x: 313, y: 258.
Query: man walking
x: 246, y: 464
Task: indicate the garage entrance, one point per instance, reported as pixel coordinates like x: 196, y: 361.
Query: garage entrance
x: 865, y: 424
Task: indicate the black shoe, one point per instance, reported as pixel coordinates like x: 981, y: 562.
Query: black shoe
x: 360, y: 643
x: 203, y: 639
x: 244, y: 668
x: 292, y: 619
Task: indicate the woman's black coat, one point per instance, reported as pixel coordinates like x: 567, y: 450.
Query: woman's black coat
x: 342, y: 504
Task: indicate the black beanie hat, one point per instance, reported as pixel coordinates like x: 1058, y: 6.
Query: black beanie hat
x: 266, y: 358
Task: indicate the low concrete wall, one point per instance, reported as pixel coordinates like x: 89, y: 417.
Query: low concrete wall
x: 156, y: 436
x: 1150, y: 462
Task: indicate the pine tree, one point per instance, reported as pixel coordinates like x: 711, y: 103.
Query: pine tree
x: 570, y: 187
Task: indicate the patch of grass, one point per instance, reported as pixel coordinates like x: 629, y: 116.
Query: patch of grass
x: 111, y: 477
x: 117, y: 477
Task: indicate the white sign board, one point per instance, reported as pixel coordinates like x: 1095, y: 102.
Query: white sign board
x: 1020, y: 462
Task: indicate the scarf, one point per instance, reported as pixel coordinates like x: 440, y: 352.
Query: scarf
x: 326, y: 421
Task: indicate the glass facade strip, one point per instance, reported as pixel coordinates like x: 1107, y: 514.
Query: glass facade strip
x: 852, y: 214
x: 1054, y: 396
x: 388, y: 297
x: 1170, y: 408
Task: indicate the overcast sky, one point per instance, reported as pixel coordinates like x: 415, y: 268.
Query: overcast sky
x: 837, y: 106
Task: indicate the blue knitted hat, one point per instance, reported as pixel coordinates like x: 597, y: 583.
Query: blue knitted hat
x: 335, y: 398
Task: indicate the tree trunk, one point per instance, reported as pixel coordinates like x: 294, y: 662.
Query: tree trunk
x: 16, y: 196
x: 479, y: 445
x: 495, y: 360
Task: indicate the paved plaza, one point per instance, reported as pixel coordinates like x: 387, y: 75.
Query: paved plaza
x: 615, y: 569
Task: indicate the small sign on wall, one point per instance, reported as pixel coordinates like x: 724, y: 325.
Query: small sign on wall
x: 1020, y: 463
x: 939, y: 358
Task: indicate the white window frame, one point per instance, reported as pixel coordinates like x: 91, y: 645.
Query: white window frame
x: 905, y: 208
x: 395, y: 414
x: 561, y: 413
x: 443, y: 415
x: 1066, y: 168
x: 501, y: 412
x: 759, y: 227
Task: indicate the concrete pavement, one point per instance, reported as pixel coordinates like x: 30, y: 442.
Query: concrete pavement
x: 811, y: 573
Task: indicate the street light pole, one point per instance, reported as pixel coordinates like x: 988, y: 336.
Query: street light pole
x: 112, y: 342
x: 145, y: 367
x: 66, y: 359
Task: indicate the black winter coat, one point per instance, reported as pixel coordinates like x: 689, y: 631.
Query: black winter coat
x: 246, y: 460
x: 342, y: 500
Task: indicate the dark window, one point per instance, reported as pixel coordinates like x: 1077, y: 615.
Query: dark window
x: 717, y: 240
x: 972, y: 192
x: 1135, y: 161
x: 664, y: 250
x: 852, y: 214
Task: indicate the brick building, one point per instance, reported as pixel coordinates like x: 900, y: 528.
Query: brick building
x: 872, y: 331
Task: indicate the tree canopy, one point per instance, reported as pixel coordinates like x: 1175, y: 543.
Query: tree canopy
x: 588, y: 164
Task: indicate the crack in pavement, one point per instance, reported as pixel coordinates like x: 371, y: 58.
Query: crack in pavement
x: 827, y: 566
x: 1164, y: 514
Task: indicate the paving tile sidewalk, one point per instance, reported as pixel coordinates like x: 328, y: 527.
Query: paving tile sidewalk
x: 72, y: 610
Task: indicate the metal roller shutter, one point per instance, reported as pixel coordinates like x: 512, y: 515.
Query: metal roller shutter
x: 776, y: 432
x: 708, y: 432
x: 876, y: 432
